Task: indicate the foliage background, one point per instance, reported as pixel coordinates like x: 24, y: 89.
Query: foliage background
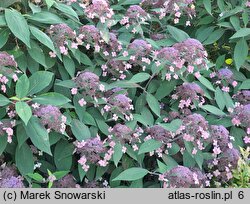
x: 50, y: 100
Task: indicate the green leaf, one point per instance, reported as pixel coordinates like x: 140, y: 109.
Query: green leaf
x: 80, y: 131
x: 207, y: 156
x: 103, y: 127
x: 245, y: 17
x: 147, y: 116
x: 174, y: 149
x: 153, y: 43
x: 240, y: 53
x: 169, y: 161
x: 131, y: 174
x: 140, y: 103
x: 117, y: 153
x: 140, y: 77
x: 66, y: 83
x: 238, y: 76
x: 228, y: 100
x: 208, y: 6
x: 37, y: 54
x: 243, y: 32
x: 7, y: 3
x: 214, y: 36
x: 81, y: 172
x: 198, y: 157
x: 24, y: 159
x: 88, y: 119
x: 86, y: 60
x: 165, y: 89
x: 213, y: 110
x: 153, y: 104
x: 39, y: 81
x: 3, y: 100
x: 177, y: 34
x: 49, y: 3
x: 121, y: 84
x: 245, y: 84
x: 206, y: 83
x: 114, y: 174
x: 220, y: 61
x: 104, y: 32
x: 51, y: 98
x: 149, y: 146
x: 220, y: 100
x: 66, y: 9
x: 136, y: 184
x: 238, y: 135
x: 236, y: 10
x: 221, y: 5
x: 130, y: 2
x: 18, y: 25
x: 173, y: 126
x: 162, y: 167
x: 63, y: 155
x: 60, y: 174
x: 21, y: 135
x: 42, y: 37
x: 100, y: 171
x: 50, y: 184
x: 235, y: 21
x: 3, y: 143
x: 34, y: 8
x: 189, y: 147
x: 36, y: 177
x: 38, y: 135
x: 69, y: 65
x: 188, y: 160
x: 4, y: 36
x: 46, y: 17
x: 141, y: 119
x: 203, y: 33
x: 22, y: 86
x: 54, y: 137
x: 24, y: 111
x: 2, y: 21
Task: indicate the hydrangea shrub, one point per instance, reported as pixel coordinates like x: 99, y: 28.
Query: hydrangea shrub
x: 124, y: 93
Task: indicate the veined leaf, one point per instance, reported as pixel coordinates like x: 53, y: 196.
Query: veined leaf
x: 22, y: 86
x: 24, y: 111
x: 80, y: 131
x: 38, y: 135
x: 131, y: 174
x: 208, y: 6
x: 42, y: 37
x: 153, y: 104
x: 173, y: 126
x: 18, y: 25
x: 206, y: 83
x: 149, y: 146
x: 240, y: 53
x: 213, y: 110
x: 245, y: 84
x: 177, y: 34
x: 140, y: 77
x: 220, y: 100
x: 66, y: 9
x: 51, y: 98
x: 243, y: 32
x: 24, y: 159
x: 117, y: 153
x: 39, y: 81
x: 4, y: 100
